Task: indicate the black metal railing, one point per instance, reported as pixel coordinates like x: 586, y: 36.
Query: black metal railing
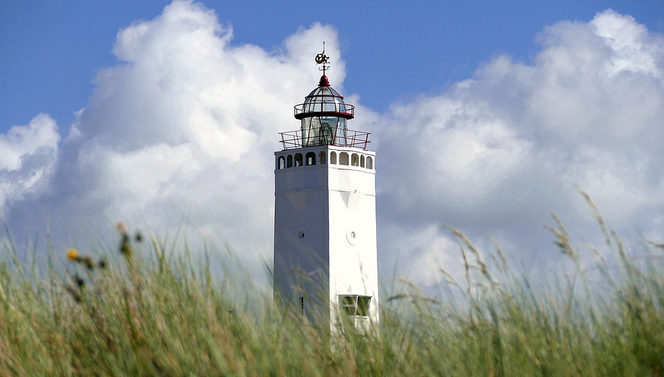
x: 352, y: 138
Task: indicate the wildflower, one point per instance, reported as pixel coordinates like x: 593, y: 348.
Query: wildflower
x: 72, y: 254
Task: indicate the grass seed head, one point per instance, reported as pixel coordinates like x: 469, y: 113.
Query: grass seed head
x: 79, y: 281
x: 87, y: 261
x: 125, y: 247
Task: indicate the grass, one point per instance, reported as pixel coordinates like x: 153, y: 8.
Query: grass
x: 145, y: 311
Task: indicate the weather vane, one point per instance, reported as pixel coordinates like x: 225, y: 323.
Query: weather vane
x: 324, y: 60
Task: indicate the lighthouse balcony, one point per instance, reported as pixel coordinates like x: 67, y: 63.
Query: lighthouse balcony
x: 347, y: 138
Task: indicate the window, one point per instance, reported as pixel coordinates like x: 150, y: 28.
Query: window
x: 321, y: 158
x: 281, y: 162
x: 301, y: 305
x: 355, y: 305
x: 362, y: 161
x: 333, y: 158
x: 326, y: 134
x: 355, y: 160
x: 289, y: 161
x: 369, y: 163
x: 310, y: 158
x: 343, y: 158
x: 298, y: 159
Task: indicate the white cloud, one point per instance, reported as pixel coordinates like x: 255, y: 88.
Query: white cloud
x: 423, y: 254
x: 498, y: 152
x: 26, y: 159
x: 42, y: 132
x: 184, y: 126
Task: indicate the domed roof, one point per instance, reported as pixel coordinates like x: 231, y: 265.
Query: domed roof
x: 324, y: 100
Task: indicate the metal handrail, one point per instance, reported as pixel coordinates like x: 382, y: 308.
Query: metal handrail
x: 353, y: 139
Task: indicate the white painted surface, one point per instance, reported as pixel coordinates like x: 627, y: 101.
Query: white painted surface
x: 325, y: 232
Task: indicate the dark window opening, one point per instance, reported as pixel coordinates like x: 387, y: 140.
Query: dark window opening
x: 343, y: 158
x: 310, y: 158
x: 355, y: 305
x: 355, y: 160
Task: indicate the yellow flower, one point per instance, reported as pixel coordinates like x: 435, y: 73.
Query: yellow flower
x: 72, y: 254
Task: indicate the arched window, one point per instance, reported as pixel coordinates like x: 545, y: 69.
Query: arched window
x: 281, y: 162
x: 321, y: 158
x: 343, y: 158
x: 355, y: 159
x: 298, y: 159
x: 289, y: 161
x: 310, y: 158
x: 362, y: 161
x: 369, y: 163
x: 333, y: 158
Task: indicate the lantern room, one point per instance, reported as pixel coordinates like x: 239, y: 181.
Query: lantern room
x: 323, y: 116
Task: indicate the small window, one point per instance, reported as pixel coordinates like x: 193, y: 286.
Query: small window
x: 362, y: 161
x: 349, y: 304
x: 355, y: 159
x: 363, y: 303
x: 301, y: 305
x: 343, y: 158
x: 369, y: 163
x: 355, y: 305
x: 333, y: 158
x: 289, y: 161
x: 281, y: 162
x: 321, y: 158
x: 298, y: 159
x: 310, y: 158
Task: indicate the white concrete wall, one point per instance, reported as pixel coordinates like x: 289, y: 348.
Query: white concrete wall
x: 335, y: 206
x: 353, y: 249
x: 301, y: 198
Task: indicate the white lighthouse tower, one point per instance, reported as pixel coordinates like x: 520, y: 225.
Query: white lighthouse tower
x: 325, y: 254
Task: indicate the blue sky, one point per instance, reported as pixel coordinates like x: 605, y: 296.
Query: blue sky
x: 484, y: 115
x: 393, y: 51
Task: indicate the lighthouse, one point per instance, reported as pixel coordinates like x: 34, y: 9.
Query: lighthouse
x: 325, y: 253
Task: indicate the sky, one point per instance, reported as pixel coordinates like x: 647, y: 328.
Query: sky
x: 486, y: 116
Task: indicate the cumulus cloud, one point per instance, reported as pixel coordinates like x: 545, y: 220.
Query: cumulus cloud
x: 499, y: 151
x: 185, y: 124
x: 27, y: 159
x: 182, y: 128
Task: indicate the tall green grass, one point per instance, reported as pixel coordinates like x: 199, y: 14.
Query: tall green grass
x: 151, y: 311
